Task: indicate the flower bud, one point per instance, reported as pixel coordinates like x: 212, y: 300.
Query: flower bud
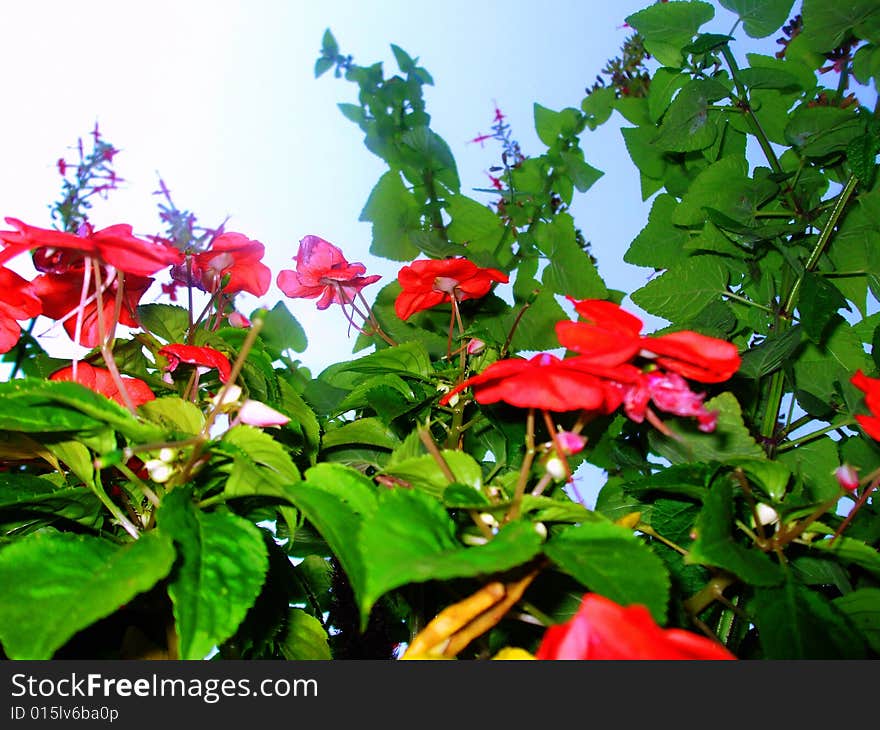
x: 847, y: 477
x: 230, y: 397
x: 237, y: 319
x: 570, y: 442
x: 167, y: 455
x: 254, y: 413
x: 159, y: 471
x: 556, y: 468
x: 475, y: 346
x: 766, y: 515
x: 541, y: 529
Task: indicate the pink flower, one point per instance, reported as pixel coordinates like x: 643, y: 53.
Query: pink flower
x: 323, y: 273
x: 199, y: 356
x: 570, y: 442
x: 18, y: 301
x: 670, y: 393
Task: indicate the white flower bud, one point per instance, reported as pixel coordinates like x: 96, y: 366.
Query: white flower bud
x: 230, y: 396
x: 556, y: 468
x: 541, y: 529
x: 766, y: 514
x: 167, y: 455
x: 160, y: 472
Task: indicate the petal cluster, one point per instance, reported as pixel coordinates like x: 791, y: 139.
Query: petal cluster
x: 427, y: 283
x: 602, y: 629
x: 232, y: 262
x: 18, y: 301
x: 323, y: 273
x: 206, y: 357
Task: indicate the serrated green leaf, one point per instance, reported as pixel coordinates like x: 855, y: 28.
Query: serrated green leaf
x: 550, y: 125
x: 293, y: 405
x: 760, y: 18
x: 817, y: 131
x: 369, y: 431
x: 687, y: 124
x: 395, y: 214
x: 474, y: 225
x: 796, y: 623
x: 168, y: 321
x: 281, y: 331
x: 569, y: 270
x: 56, y: 584
x: 684, y: 289
x: 611, y: 560
x: 669, y: 26
x: 175, y: 415
x: 33, y: 405
x: 851, y: 551
x: 827, y: 24
x: 862, y: 608
x: 304, y: 638
x: 222, y: 568
x: 660, y: 244
x: 407, y: 359
x: 411, y: 539
x: 262, y: 465
x: 424, y: 473
x: 348, y: 485
x: 818, y: 303
x: 770, y: 355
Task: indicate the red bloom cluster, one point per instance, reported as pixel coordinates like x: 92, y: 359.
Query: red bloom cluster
x: 603, y: 376
x: 429, y: 282
x: 230, y: 257
x: 871, y: 388
x: 323, y: 273
x: 206, y: 357
x: 602, y: 629
x: 18, y: 301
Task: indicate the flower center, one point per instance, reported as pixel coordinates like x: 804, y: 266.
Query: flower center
x: 445, y: 284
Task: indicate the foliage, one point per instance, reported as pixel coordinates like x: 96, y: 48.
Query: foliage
x: 186, y: 489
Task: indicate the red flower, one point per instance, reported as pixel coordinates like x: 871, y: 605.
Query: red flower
x: 549, y: 383
x: 871, y: 388
x: 115, y: 246
x: 429, y: 282
x: 199, y: 356
x: 101, y: 381
x: 18, y: 301
x: 602, y: 629
x: 61, y: 295
x: 323, y: 273
x: 233, y: 255
x: 611, y: 336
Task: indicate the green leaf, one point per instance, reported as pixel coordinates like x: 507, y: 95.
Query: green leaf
x: 408, y: 358
x: 852, y: 552
x: 760, y: 18
x: 820, y: 368
x: 292, y: 405
x: 667, y: 27
x: 687, y: 124
x: 715, y: 544
x: 174, y: 414
x: 770, y: 355
x: 684, y: 289
x: 411, y: 539
x: 819, y: 301
x: 797, y: 623
x: 569, y: 268
x: 598, y: 106
x: 648, y: 157
x: 349, y: 485
x: 771, y: 476
x: 56, y: 584
x: 23, y: 495
x: 423, y: 472
x: 395, y: 215
x: 329, y: 46
x: 818, y: 131
x: 689, y: 480
x: 582, y: 174
x: 551, y: 125
x: 862, y: 608
x: 433, y: 155
x: 660, y: 244
x: 730, y: 439
x: 827, y: 24
x: 33, y: 405
x: 223, y: 563
x: 262, y: 466
x: 369, y: 431
x: 404, y: 61
x: 474, y: 225
x: 535, y: 330
x: 168, y: 321
x: 611, y: 560
x: 304, y: 638
x: 281, y: 331
x: 323, y: 65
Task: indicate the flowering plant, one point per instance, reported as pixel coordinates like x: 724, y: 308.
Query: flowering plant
x: 183, y: 487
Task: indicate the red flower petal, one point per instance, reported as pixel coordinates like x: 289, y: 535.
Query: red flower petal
x: 18, y: 301
x: 695, y: 356
x: 604, y: 630
x: 101, y: 381
x: 237, y: 256
x: 871, y: 388
x: 203, y: 356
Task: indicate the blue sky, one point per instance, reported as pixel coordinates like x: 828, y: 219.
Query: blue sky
x: 220, y: 99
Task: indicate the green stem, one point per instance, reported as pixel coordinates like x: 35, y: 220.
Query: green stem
x: 810, y: 437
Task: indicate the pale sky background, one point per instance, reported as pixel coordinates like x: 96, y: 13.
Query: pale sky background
x: 219, y: 98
